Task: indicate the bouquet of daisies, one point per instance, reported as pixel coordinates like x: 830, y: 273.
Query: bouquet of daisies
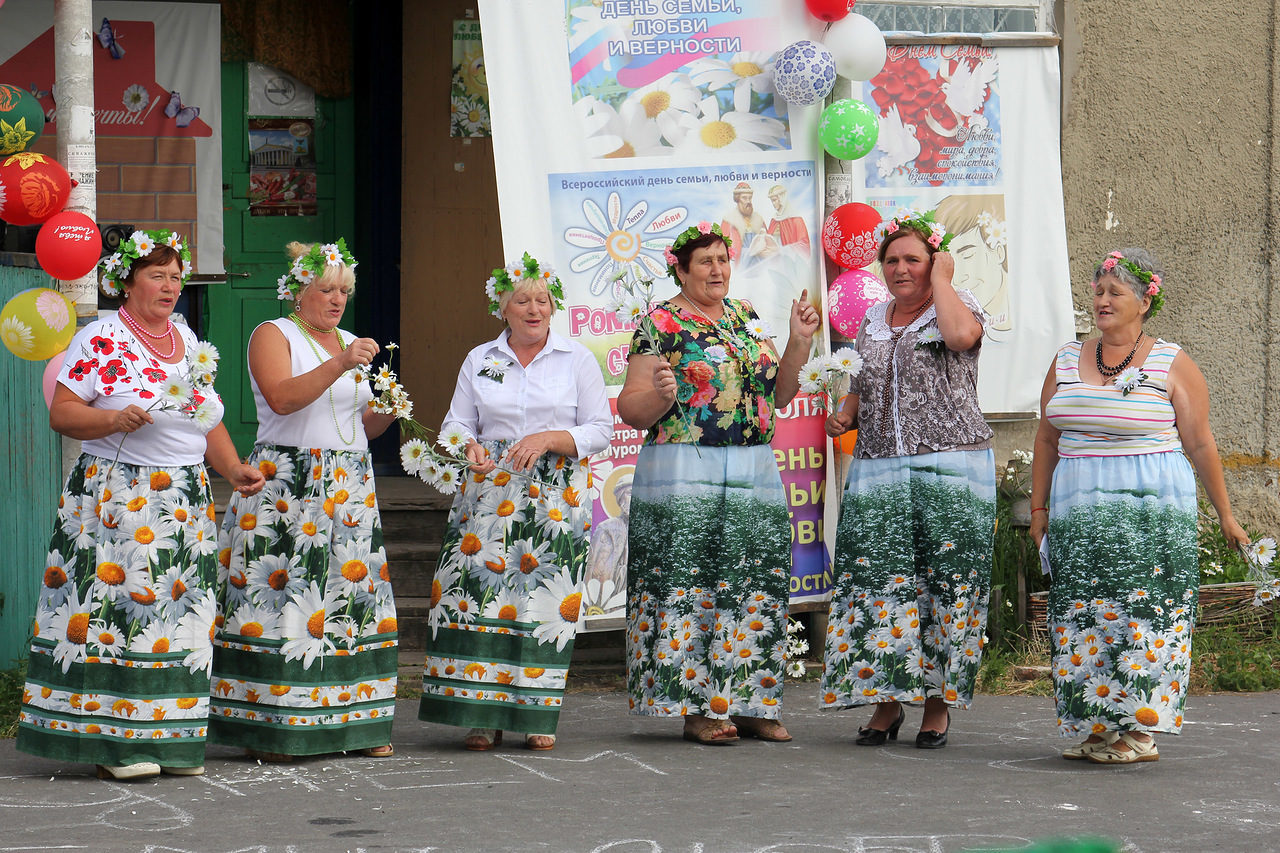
x: 1259, y: 554
x: 825, y: 376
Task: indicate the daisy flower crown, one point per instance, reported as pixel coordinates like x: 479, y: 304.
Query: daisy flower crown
x: 1150, y: 280
x: 924, y: 224
x: 505, y: 279
x: 139, y: 245
x: 309, y: 267
x: 693, y: 232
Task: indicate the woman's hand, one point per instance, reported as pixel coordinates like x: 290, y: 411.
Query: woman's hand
x: 247, y: 479
x: 1039, y: 526
x: 358, y: 353
x: 131, y: 418
x: 942, y: 268
x: 478, y: 456
x: 838, y: 423
x: 526, y: 452
x: 664, y: 381
x: 1232, y: 531
x: 804, y: 317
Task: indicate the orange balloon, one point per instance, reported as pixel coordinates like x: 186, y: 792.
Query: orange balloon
x: 847, y: 442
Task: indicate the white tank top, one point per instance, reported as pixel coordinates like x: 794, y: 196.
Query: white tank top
x: 325, y: 424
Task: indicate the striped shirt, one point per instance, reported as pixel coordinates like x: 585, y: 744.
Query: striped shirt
x: 1101, y: 420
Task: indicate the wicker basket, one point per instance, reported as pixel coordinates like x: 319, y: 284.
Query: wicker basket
x: 1220, y: 604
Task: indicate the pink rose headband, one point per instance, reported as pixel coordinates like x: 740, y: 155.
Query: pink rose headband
x: 1150, y: 280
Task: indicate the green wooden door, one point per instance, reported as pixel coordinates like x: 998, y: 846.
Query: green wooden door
x: 255, y: 256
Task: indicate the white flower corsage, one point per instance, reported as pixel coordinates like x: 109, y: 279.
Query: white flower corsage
x: 759, y: 330
x: 930, y: 337
x: 1129, y: 379
x: 493, y: 367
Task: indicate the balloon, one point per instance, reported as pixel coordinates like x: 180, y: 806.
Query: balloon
x: 828, y: 10
x: 846, y: 442
x: 858, y: 47
x: 50, y: 381
x: 804, y: 73
x: 68, y: 245
x: 21, y: 119
x: 37, y: 323
x: 849, y: 235
x: 33, y: 187
x: 849, y: 297
x: 848, y: 129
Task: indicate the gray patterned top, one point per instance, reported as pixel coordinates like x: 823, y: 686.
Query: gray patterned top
x: 933, y: 404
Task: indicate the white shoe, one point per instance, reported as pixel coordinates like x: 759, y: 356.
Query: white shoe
x: 141, y: 770
x: 183, y: 771
x: 1139, y: 750
x: 1082, y: 750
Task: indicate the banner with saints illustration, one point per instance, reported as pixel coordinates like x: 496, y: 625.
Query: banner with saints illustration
x: 635, y: 121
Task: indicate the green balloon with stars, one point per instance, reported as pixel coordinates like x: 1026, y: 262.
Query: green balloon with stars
x: 21, y: 119
x: 849, y: 129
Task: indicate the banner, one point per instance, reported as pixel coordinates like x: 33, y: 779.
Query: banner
x: 468, y: 90
x: 635, y: 121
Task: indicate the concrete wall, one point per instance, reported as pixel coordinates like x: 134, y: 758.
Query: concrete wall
x: 1168, y: 142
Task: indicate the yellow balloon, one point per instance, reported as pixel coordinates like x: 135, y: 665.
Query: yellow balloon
x: 37, y: 324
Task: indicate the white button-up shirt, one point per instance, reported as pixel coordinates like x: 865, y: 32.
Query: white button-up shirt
x: 561, y: 389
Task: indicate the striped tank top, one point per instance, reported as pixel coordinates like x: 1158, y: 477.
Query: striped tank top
x: 1100, y: 420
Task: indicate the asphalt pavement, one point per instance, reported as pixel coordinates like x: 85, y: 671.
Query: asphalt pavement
x: 630, y: 785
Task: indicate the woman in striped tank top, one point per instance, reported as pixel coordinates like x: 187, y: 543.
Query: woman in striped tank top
x: 1121, y: 414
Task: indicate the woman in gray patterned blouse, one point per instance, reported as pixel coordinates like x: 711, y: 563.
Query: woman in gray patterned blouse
x: 913, y: 546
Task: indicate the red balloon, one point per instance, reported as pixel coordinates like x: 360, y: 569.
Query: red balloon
x: 33, y: 187
x: 849, y: 235
x: 68, y: 245
x: 829, y: 10
x: 849, y: 297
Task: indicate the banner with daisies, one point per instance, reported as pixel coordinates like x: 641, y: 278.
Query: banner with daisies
x: 646, y: 119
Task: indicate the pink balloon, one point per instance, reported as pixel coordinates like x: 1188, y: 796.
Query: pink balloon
x: 50, y: 380
x: 849, y: 297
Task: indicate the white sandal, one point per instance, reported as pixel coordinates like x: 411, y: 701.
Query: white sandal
x: 140, y: 770
x: 1081, y: 751
x: 1138, y: 751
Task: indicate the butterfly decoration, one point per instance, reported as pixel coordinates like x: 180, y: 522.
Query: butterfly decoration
x: 107, y: 37
x: 183, y: 113
x: 37, y: 92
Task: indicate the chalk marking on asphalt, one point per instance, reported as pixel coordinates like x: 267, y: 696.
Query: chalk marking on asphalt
x: 181, y: 816
x: 601, y: 754
x: 17, y: 803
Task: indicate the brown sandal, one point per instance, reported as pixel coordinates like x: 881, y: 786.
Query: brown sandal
x: 482, y: 740
x: 761, y: 729
x: 379, y: 751
x: 711, y: 732
x: 547, y: 743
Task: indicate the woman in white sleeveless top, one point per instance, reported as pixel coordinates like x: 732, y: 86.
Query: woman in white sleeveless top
x: 1112, y: 489
x: 305, y: 658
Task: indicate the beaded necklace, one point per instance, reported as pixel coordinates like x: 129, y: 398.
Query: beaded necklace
x: 1106, y: 370
x: 142, y: 334
x: 303, y: 326
x: 886, y: 399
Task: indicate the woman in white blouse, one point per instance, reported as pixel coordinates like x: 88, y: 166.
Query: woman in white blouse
x: 506, y: 596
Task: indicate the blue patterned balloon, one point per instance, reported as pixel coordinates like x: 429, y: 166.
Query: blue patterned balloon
x: 804, y: 73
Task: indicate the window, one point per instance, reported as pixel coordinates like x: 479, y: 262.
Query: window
x: 960, y: 16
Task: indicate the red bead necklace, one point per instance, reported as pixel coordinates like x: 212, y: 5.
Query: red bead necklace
x: 142, y: 334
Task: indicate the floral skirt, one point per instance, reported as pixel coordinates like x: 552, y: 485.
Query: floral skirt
x: 305, y: 657
x: 912, y: 570
x: 708, y: 576
x: 119, y: 666
x: 1122, y: 606
x: 506, y: 597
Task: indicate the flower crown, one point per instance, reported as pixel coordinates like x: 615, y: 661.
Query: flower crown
x: 924, y: 224
x: 504, y: 280
x: 310, y: 266
x: 139, y: 245
x: 1152, y: 281
x: 693, y: 232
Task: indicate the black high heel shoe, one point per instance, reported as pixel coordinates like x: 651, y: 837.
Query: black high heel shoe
x: 867, y: 736
x: 931, y: 739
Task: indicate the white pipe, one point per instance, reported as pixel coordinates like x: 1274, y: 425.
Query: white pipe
x: 73, y: 40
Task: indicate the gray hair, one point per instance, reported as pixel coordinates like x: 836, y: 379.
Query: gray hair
x: 1142, y: 259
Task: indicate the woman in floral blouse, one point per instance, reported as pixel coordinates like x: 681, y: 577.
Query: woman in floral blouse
x: 710, y: 539
x: 913, y: 547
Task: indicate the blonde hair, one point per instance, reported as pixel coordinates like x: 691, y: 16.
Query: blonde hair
x: 525, y: 284
x: 341, y: 274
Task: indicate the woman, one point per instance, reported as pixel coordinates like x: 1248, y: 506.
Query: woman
x: 1112, y: 489
x: 305, y: 657
x: 914, y: 542
x: 530, y: 407
x: 709, y: 547
x: 118, y: 673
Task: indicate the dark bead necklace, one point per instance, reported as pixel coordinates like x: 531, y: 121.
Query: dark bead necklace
x: 1108, y: 371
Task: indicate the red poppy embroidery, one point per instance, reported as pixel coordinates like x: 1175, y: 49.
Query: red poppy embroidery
x: 113, y: 370
x: 146, y: 395
x: 101, y: 345
x: 154, y: 374
x: 82, y: 369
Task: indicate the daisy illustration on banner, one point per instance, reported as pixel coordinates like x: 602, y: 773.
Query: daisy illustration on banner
x: 613, y: 246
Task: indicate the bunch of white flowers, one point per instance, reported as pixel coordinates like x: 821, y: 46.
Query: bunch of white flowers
x: 1259, y: 555
x: 391, y: 399
x: 824, y: 375
x: 797, y: 647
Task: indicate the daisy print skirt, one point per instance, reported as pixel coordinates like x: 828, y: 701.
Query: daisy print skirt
x: 119, y: 666
x: 908, y: 614
x: 506, y: 597
x: 305, y: 655
x: 708, y: 575
x: 1122, y: 606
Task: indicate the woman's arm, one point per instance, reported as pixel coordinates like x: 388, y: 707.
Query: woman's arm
x: 74, y: 418
x: 270, y: 363
x: 843, y: 418
x: 1189, y: 395
x: 376, y: 423
x: 1045, y: 459
x: 960, y: 329
x: 221, y: 455
x: 648, y: 392
x: 804, y: 322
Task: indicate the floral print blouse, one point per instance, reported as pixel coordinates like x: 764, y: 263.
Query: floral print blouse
x: 725, y: 375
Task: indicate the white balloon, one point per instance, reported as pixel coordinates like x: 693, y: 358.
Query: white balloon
x: 857, y: 45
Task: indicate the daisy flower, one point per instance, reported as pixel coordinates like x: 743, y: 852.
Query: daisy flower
x: 1129, y: 379
x: 454, y: 439
x: 412, y: 455
x: 759, y: 330
x: 16, y: 335
x: 142, y: 243
x: 848, y: 360
x: 173, y: 241
x: 195, y: 633
x: 556, y: 607
x: 155, y: 639
x: 1261, y: 552
x: 930, y: 336
x: 332, y: 254
x: 660, y: 106
x: 305, y: 620
x: 176, y: 391
x: 136, y: 98
x: 493, y: 367
x: 507, y: 605
x: 744, y: 72
x: 708, y: 131
x: 204, y: 357
x: 254, y: 621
